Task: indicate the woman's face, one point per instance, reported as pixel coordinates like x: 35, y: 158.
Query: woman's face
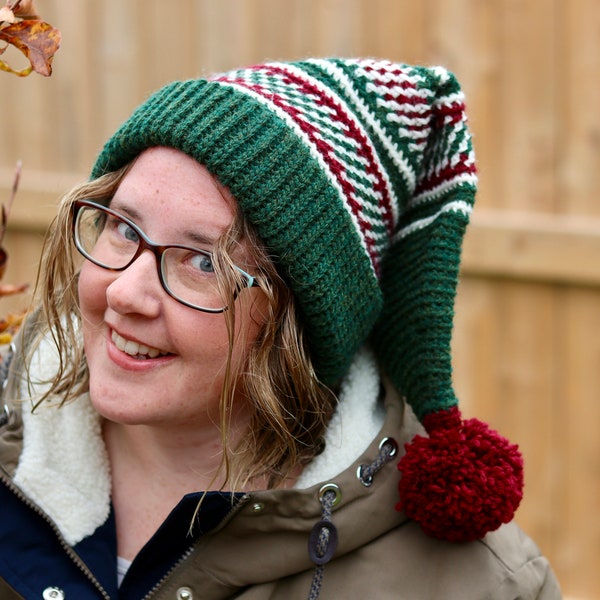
x: 151, y: 359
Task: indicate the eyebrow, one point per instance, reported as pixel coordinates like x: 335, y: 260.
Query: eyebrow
x: 194, y: 237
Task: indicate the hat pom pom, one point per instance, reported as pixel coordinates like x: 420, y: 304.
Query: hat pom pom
x: 462, y: 481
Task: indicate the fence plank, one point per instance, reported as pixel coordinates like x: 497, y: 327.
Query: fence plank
x: 577, y: 524
x: 498, y: 319
x: 533, y: 246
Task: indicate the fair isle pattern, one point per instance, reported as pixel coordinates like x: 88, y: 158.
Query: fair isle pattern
x: 336, y: 139
x: 407, y: 106
x: 411, y: 105
x: 333, y: 118
x: 395, y: 79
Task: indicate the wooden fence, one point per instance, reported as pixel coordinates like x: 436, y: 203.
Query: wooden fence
x: 527, y: 340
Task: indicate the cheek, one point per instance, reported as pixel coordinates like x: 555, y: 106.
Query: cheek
x: 91, y: 290
x: 205, y: 339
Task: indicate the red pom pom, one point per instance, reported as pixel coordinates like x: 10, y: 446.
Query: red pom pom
x: 462, y: 481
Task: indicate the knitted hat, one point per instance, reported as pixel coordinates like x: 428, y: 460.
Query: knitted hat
x: 359, y: 176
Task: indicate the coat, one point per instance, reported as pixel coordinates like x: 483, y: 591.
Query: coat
x: 58, y: 540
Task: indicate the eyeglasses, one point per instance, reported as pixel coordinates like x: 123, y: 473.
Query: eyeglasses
x: 113, y: 242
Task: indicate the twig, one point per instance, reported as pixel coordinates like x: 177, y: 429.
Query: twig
x: 6, y: 208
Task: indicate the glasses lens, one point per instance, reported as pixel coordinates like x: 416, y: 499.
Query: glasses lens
x: 190, y: 276
x: 104, y: 238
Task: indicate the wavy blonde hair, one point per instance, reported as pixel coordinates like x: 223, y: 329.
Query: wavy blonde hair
x: 290, y: 407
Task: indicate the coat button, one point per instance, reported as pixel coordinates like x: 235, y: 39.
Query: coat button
x: 185, y: 593
x: 53, y: 593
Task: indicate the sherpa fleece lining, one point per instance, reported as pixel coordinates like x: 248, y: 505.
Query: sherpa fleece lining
x: 64, y: 465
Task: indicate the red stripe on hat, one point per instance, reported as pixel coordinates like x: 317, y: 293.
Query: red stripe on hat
x: 354, y: 132
x: 327, y: 150
x: 446, y: 175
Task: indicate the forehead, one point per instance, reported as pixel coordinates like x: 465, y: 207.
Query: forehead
x: 168, y: 190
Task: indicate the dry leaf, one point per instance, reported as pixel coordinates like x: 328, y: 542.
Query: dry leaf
x: 38, y: 41
x: 21, y: 26
x: 12, y: 322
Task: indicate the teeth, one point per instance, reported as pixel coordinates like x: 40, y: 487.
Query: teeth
x: 133, y: 348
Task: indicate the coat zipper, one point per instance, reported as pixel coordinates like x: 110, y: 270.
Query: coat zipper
x: 156, y: 588
x: 68, y: 550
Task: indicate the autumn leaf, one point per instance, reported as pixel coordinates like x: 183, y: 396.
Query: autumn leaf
x: 21, y: 27
x: 38, y: 41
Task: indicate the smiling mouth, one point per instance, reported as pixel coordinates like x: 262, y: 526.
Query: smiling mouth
x: 139, y: 351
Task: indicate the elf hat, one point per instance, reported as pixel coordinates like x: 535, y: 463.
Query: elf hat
x: 359, y: 176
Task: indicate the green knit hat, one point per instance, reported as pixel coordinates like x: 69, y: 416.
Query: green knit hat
x: 359, y: 175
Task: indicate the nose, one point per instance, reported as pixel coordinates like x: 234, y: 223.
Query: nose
x: 137, y: 289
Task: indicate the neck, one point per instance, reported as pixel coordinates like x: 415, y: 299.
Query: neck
x: 152, y: 468
x: 159, y: 458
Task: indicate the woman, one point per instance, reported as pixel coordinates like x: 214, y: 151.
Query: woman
x: 233, y: 312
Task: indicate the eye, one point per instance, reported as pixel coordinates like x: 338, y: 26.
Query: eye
x: 125, y: 231
x: 202, y: 262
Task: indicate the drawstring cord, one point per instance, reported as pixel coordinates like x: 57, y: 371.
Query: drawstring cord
x: 388, y: 448
x: 323, y: 539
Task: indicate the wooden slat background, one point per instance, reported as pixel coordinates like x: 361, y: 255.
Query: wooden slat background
x: 527, y: 340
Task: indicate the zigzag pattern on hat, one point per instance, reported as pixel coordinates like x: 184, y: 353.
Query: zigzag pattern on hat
x: 336, y: 139
x: 336, y: 121
x: 405, y: 95
x: 410, y: 103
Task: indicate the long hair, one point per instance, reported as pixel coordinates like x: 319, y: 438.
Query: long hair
x: 290, y: 407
